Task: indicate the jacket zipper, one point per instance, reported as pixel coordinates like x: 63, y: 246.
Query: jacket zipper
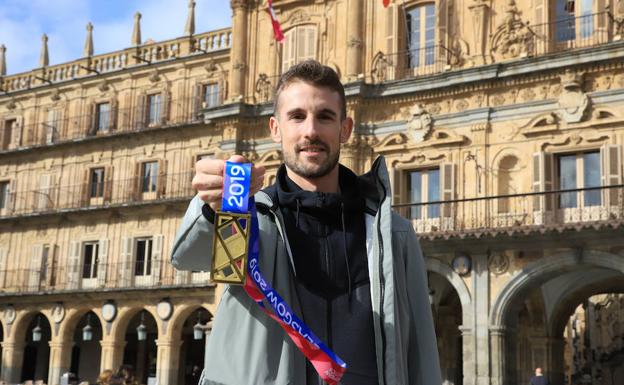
x: 382, y: 286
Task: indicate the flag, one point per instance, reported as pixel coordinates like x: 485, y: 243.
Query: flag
x: 386, y: 3
x: 277, y: 28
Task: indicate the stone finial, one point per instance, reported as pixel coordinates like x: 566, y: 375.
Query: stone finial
x: 44, y: 58
x: 136, y: 31
x: 2, y: 60
x: 189, y: 28
x: 88, y: 46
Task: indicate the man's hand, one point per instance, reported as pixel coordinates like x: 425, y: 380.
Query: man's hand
x: 208, y: 179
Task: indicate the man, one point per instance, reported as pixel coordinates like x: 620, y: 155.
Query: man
x: 539, y: 378
x: 329, y: 245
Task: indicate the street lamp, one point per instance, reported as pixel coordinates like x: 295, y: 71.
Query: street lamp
x: 87, y: 331
x: 198, y: 331
x: 141, y: 329
x: 36, y: 332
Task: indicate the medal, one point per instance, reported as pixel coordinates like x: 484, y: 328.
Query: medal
x: 232, y: 227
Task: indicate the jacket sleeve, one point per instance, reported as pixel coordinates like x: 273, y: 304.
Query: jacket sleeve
x: 424, y: 367
x: 192, y: 248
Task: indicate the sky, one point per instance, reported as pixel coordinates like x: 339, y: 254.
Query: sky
x: 22, y: 22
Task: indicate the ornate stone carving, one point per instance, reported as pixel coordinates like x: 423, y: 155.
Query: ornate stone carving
x: 239, y: 66
x: 462, y: 105
x: 380, y: 66
x: 263, y: 88
x: 458, y: 52
x: 513, y: 37
x: 573, y: 102
x: 355, y: 42
x: 235, y: 4
x: 154, y: 76
x: 11, y: 105
x: 419, y: 124
x: 56, y: 95
x: 210, y: 66
x: 103, y: 86
x: 499, y: 264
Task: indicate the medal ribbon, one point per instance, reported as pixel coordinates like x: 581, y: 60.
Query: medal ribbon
x: 327, y: 364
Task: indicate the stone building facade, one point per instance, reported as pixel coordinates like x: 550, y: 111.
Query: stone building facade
x: 507, y: 115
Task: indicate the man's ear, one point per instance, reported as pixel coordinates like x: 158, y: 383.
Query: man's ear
x: 276, y: 135
x: 346, y: 128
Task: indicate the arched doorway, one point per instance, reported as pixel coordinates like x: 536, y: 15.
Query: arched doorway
x: 37, y: 350
x: 87, y: 351
x: 534, y: 308
x: 140, y: 351
x: 192, y: 353
x: 447, y: 315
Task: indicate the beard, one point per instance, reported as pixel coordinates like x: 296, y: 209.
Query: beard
x: 309, y: 169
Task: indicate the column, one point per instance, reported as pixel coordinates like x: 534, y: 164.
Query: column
x: 12, y: 359
x: 355, y: 39
x: 468, y: 355
x: 497, y: 337
x: 555, y: 351
x: 60, y: 360
x: 207, y: 332
x: 479, y: 18
x: 112, y: 354
x: 238, y: 50
x: 167, y: 361
x: 481, y: 289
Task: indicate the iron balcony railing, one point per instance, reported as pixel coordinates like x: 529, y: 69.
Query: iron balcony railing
x: 109, y: 193
x: 524, y: 212
x: 61, y: 277
x: 57, y: 129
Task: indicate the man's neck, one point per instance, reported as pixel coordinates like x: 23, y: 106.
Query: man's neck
x: 327, y: 183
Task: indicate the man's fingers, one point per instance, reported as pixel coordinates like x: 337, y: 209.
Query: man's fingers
x: 207, y: 182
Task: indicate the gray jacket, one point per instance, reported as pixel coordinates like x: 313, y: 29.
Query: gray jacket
x: 246, y: 347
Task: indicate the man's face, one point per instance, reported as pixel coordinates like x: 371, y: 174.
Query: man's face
x: 309, y: 126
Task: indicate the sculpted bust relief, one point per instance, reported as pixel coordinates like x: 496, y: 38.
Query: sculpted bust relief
x: 419, y: 124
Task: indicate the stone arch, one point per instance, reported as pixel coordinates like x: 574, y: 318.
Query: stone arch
x: 437, y: 266
x: 181, y: 313
x: 72, y: 318
x: 545, y: 269
x: 23, y: 320
x: 120, y: 324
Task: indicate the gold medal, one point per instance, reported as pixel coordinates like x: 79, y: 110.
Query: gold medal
x: 230, y: 247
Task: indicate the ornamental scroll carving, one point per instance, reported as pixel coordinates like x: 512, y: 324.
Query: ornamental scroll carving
x: 512, y: 38
x: 573, y: 102
x: 263, y: 88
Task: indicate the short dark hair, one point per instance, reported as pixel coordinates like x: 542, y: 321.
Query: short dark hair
x: 315, y: 73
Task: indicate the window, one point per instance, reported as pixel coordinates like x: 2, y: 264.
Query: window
x: 143, y: 265
x: 103, y: 116
x: 90, y: 260
x: 7, y: 136
x: 149, y: 176
x: 96, y: 183
x: 573, y: 19
x: 4, y: 194
x: 424, y: 186
x: 579, y: 171
x: 421, y: 35
x: 210, y: 95
x: 52, y: 123
x: 299, y: 45
x: 45, y: 255
x: 153, y: 109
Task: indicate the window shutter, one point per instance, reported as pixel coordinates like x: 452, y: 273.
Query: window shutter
x: 447, y: 187
x: 390, y: 34
x: 442, y: 21
x: 73, y: 266
x: 108, y: 183
x: 157, y: 258
x: 140, y: 112
x: 3, y: 266
x: 113, y: 113
x: 397, y: 186
x: 102, y: 262
x: 10, y: 206
x: 164, y: 107
x: 34, y: 278
x: 543, y: 176
x: 85, y: 195
x: 126, y: 262
x: 611, y: 172
x: 3, y: 126
x: 17, y: 133
x: 44, y: 191
x: 161, y: 187
x: 91, y: 118
x: 182, y: 277
x: 539, y: 23
x: 136, y: 187
x: 60, y: 124
x: 196, y: 102
x: 288, y: 50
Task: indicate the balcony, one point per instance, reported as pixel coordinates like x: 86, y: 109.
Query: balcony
x: 117, y: 121
x: 53, y: 278
x: 88, y: 67
x: 518, y: 213
x: 85, y: 196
